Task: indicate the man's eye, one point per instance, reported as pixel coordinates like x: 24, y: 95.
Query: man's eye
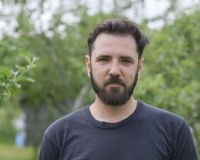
x: 126, y: 61
x: 104, y: 59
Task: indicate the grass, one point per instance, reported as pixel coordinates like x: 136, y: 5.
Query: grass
x: 10, y: 152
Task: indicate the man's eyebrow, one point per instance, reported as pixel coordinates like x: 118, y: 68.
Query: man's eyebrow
x: 103, y: 56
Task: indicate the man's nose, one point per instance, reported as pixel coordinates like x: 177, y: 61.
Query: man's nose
x: 114, y: 69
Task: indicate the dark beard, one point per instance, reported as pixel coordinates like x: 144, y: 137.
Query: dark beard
x: 114, y: 96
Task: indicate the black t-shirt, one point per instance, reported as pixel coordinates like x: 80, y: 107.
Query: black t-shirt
x: 148, y: 134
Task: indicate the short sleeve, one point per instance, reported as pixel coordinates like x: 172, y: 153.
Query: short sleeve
x: 184, y: 145
x: 48, y: 151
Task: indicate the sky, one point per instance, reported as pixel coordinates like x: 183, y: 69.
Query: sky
x: 150, y: 9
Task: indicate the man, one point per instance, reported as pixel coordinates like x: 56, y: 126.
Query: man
x: 117, y: 126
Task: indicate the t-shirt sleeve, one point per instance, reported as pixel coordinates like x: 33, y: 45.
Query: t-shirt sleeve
x: 48, y: 151
x: 184, y: 147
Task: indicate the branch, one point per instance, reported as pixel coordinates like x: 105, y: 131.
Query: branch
x: 59, y: 68
x: 79, y: 100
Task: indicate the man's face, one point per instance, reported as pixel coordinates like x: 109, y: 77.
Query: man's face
x: 114, y: 68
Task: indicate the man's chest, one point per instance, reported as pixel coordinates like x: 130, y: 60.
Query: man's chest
x: 115, y: 145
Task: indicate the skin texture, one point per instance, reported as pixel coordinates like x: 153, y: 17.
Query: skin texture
x: 113, y: 55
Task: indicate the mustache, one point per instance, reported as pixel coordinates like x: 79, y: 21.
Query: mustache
x: 115, y: 80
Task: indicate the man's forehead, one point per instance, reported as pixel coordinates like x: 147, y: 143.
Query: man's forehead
x: 116, y: 35
x: 110, y: 40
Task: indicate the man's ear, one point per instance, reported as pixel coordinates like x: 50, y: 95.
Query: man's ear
x: 140, y: 67
x: 88, y: 64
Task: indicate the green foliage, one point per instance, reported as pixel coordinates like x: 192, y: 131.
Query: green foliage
x: 7, y: 130
x: 175, y: 55
x: 11, y: 79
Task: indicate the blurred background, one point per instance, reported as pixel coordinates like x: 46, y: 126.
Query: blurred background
x: 43, y: 44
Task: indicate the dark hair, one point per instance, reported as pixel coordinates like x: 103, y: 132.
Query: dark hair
x: 122, y: 27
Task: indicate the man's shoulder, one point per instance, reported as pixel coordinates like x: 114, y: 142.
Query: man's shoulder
x: 159, y: 114
x: 163, y: 120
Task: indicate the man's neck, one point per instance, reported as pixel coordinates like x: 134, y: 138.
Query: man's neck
x: 112, y: 114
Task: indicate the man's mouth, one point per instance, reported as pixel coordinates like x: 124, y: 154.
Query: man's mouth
x: 114, y: 84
